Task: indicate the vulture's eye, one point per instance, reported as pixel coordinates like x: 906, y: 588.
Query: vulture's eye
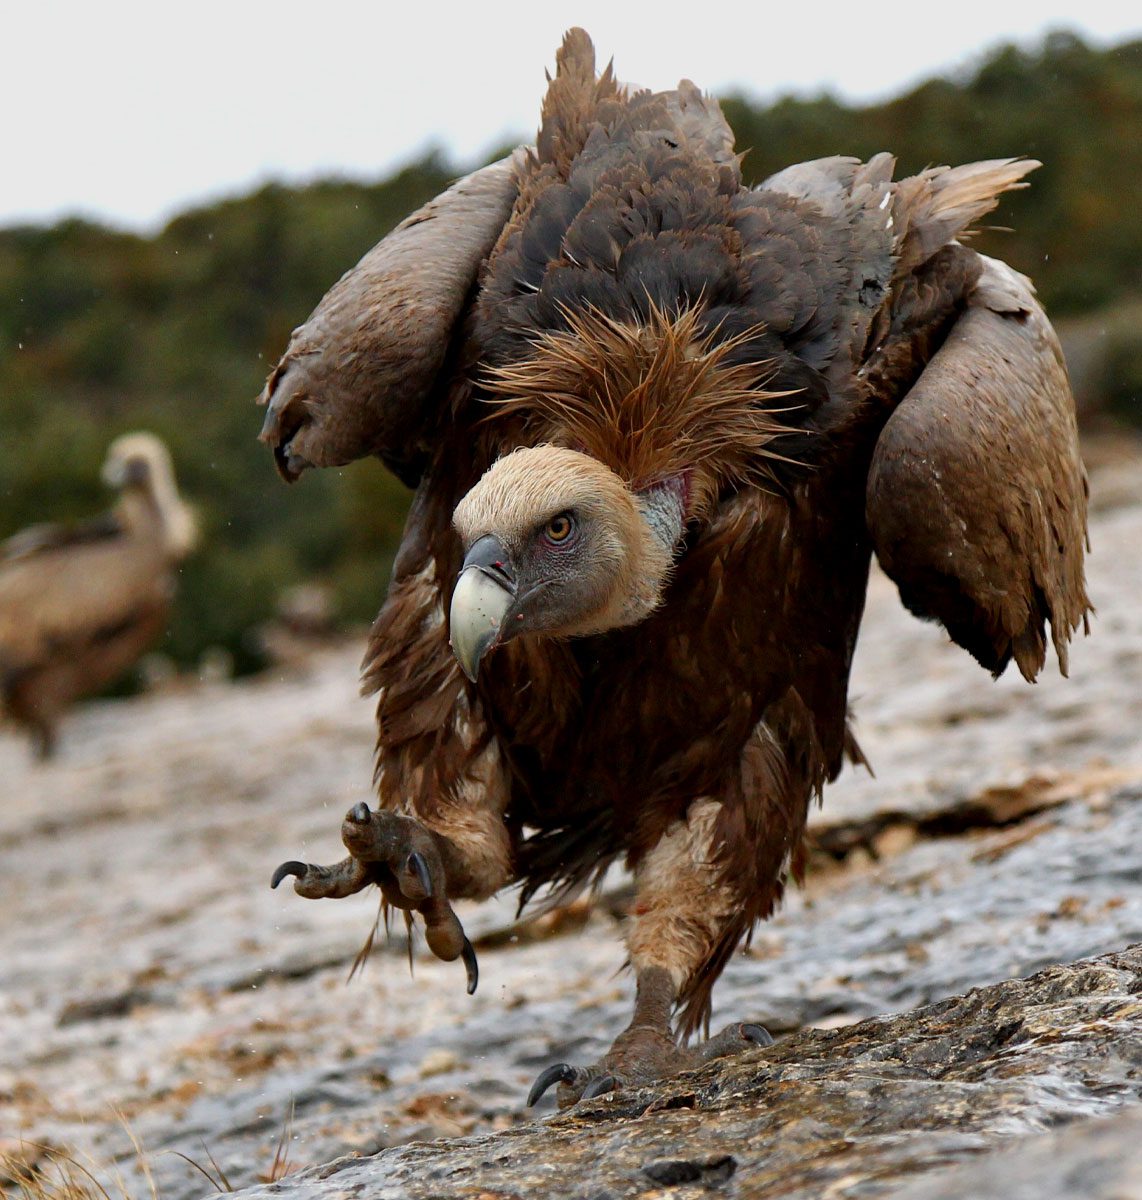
x: 559, y: 528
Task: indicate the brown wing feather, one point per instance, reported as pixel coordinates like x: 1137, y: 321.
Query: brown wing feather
x: 56, y: 600
x: 42, y: 539
x: 358, y: 376
x: 976, y: 498
x: 573, y: 100
x: 942, y: 203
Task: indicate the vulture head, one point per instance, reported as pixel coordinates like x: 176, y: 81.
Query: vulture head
x: 139, y: 466
x: 556, y: 544
x: 566, y: 542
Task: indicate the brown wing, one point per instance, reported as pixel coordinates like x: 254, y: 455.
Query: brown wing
x: 68, y: 594
x: 977, y: 497
x: 41, y: 539
x: 358, y: 377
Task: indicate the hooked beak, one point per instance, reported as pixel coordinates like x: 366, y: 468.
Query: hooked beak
x: 484, y: 593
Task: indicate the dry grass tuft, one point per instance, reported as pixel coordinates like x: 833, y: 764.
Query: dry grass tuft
x: 42, y: 1172
x: 37, y: 1171
x: 281, y: 1165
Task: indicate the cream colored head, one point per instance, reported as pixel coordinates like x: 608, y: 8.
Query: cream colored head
x: 140, y: 464
x: 556, y: 544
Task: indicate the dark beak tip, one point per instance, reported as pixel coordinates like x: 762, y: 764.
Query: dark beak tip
x: 469, y: 675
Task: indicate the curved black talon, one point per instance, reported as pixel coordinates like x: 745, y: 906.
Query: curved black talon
x: 598, y: 1087
x: 419, y: 868
x: 473, y: 969
x: 557, y: 1073
x: 359, y: 813
x: 293, y: 867
x: 758, y: 1034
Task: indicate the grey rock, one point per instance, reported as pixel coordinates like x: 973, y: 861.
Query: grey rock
x: 1097, y: 1159
x: 848, y: 1112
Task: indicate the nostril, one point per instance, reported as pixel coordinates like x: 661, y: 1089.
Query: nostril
x: 501, y: 572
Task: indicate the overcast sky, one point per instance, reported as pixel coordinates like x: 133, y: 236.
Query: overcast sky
x: 129, y: 111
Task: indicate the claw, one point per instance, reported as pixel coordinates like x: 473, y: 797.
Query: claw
x: 418, y: 867
x: 359, y: 813
x: 757, y: 1034
x: 557, y: 1073
x: 598, y: 1087
x: 473, y: 969
x: 293, y: 867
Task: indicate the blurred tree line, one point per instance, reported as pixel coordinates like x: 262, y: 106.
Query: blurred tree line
x: 103, y: 331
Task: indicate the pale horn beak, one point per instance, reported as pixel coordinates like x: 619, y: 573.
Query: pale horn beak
x: 484, y: 593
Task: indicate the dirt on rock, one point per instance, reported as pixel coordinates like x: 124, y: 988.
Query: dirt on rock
x: 154, y: 988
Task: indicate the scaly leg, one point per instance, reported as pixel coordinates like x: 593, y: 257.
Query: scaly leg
x: 681, y: 908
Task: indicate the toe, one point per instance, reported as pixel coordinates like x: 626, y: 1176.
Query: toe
x: 415, y: 878
x: 757, y: 1034
x: 733, y: 1040
x: 293, y: 867
x: 599, y: 1086
x: 471, y: 966
x: 418, y: 867
x: 317, y: 882
x: 575, y: 1084
x: 562, y: 1073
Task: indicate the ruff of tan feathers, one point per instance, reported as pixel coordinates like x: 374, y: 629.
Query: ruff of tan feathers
x: 651, y: 400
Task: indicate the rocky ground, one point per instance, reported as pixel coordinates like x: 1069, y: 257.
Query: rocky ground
x: 154, y: 990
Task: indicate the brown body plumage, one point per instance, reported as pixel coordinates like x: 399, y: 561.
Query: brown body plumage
x: 79, y: 605
x: 771, y: 385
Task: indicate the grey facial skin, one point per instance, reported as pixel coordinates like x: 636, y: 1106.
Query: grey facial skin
x: 575, y: 567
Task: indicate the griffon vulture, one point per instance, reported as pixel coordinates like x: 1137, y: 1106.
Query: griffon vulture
x: 658, y: 423
x: 78, y: 605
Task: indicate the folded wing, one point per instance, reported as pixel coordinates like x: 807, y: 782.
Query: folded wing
x: 358, y: 377
x: 977, y: 496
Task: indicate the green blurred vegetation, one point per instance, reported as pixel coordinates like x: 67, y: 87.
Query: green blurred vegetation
x: 103, y: 331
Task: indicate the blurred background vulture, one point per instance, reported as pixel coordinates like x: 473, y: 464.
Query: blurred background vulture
x: 657, y: 424
x: 79, y: 605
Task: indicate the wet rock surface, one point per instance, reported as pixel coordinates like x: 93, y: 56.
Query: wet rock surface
x: 152, y: 980
x: 872, y: 1103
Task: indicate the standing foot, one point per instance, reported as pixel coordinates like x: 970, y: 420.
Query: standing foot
x: 640, y: 1056
x: 645, y: 1050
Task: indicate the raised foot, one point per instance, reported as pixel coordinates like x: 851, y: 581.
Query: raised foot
x: 639, y: 1056
x: 402, y: 858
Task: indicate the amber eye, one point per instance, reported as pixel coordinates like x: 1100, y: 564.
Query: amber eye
x: 559, y: 528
